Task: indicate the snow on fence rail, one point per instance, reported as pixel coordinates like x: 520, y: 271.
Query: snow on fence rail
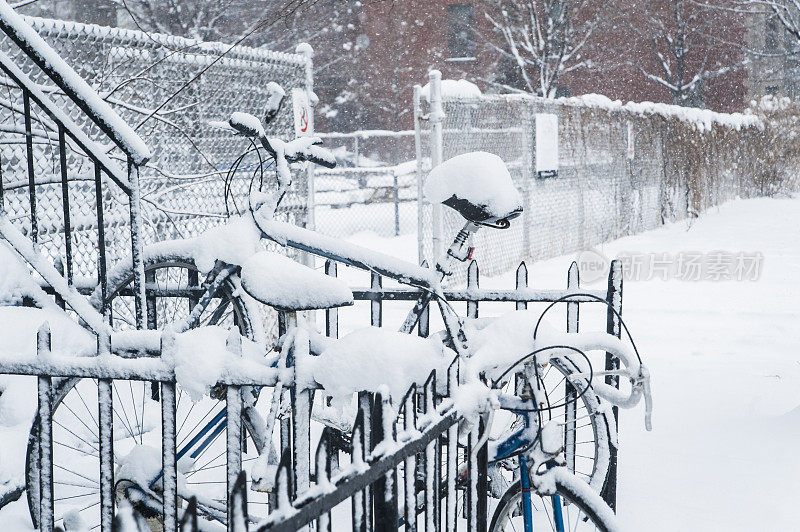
x: 183, y: 190
x: 601, y: 170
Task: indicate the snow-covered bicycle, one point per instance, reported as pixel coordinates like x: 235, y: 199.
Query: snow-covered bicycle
x: 531, y: 460
x: 215, y: 280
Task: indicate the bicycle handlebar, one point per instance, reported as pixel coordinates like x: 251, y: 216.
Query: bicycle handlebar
x: 298, y: 150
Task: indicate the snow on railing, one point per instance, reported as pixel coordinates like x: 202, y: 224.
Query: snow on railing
x: 238, y: 55
x: 702, y: 119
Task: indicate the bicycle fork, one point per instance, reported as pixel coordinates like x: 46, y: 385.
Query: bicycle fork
x: 527, y: 506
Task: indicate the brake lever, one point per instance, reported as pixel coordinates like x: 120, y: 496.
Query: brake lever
x: 275, y: 101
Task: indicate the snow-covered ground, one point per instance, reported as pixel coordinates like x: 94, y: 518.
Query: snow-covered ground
x: 725, y: 363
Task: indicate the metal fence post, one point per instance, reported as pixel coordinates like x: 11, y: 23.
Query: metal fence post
x: 361, y: 502
x: 26, y: 103
x: 45, y: 458
x: 137, y: 244
x: 106, y: 437
x: 376, y: 305
x: 437, y: 151
x: 571, y: 410
x: 424, y: 324
x: 432, y: 466
x: 169, y: 465
x: 233, y: 429
x: 420, y: 181
x: 410, y: 464
x: 396, y: 204
x: 522, y: 282
x: 614, y: 299
x: 59, y: 265
x: 301, y: 420
x: 385, y: 489
x: 452, y: 454
x: 323, y: 472
x: 331, y: 314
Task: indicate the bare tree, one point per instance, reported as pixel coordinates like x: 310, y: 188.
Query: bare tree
x: 685, y: 44
x: 204, y: 20
x: 546, y: 39
x: 787, y: 12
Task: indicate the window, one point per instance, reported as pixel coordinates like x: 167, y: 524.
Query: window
x: 461, y: 35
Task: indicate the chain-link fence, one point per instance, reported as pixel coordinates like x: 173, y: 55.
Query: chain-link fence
x: 382, y: 200
x: 171, y: 90
x: 621, y: 169
x: 373, y: 188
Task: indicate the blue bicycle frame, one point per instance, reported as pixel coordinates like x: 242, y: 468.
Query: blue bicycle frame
x: 518, y: 441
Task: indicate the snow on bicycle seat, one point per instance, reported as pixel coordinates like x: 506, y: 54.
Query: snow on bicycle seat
x: 280, y: 282
x: 477, y: 185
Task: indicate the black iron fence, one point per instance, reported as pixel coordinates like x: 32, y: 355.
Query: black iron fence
x: 402, y: 466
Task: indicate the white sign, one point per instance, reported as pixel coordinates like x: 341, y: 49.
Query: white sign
x: 546, y: 145
x: 631, y: 146
x: 303, y: 113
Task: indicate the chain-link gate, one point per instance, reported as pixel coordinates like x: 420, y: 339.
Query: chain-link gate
x: 154, y: 83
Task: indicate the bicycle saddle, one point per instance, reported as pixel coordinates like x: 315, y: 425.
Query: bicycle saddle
x: 284, y: 284
x: 478, y: 186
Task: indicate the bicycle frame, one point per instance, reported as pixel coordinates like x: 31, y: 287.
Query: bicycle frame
x: 429, y: 280
x: 262, y: 208
x: 518, y: 443
x: 309, y: 241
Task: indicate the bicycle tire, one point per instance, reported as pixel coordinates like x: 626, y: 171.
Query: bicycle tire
x: 600, y: 428
x: 592, y: 511
x: 242, y: 318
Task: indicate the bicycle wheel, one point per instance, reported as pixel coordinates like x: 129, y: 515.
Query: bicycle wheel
x: 136, y: 414
x: 588, y: 432
x: 580, y: 508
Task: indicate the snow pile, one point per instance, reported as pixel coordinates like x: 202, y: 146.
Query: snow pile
x: 702, y: 119
x: 16, y: 281
x: 280, y: 282
x: 477, y: 177
x: 232, y: 243
x: 141, y: 465
x: 453, y: 88
x: 370, y: 358
x: 246, y: 124
x: 304, y: 49
x: 202, y: 358
x: 19, y: 326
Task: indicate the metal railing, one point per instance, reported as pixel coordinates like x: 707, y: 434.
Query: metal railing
x: 382, y: 493
x: 72, y: 143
